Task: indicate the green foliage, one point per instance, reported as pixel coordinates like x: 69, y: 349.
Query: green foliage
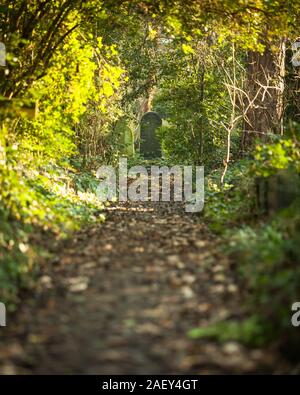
x: 56, y: 71
x: 269, y: 269
x: 85, y: 182
x: 16, y: 256
x: 250, y: 332
x: 230, y: 203
x: 193, y: 98
x: 278, y: 155
x: 74, y: 69
x: 264, y: 254
x: 32, y: 203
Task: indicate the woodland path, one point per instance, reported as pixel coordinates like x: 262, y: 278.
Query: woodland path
x: 121, y: 296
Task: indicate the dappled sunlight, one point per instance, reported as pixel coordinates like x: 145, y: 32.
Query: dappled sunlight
x: 149, y: 189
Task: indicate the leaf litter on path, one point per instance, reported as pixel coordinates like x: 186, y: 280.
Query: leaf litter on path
x: 122, y: 297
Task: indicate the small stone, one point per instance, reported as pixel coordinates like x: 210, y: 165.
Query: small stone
x: 46, y: 282
x: 200, y: 243
x: 231, y: 348
x: 232, y: 288
x: 219, y: 278
x: 187, y: 292
x: 218, y: 289
x: 173, y: 259
x: 204, y: 307
x: 189, y: 278
x: 217, y: 268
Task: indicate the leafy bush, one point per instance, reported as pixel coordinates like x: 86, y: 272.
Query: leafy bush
x: 32, y: 203
x: 268, y: 257
x: 264, y: 251
x: 281, y: 154
x: 249, y: 331
x: 232, y: 202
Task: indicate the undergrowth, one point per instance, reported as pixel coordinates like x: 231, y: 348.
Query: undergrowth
x: 264, y: 250
x: 51, y: 201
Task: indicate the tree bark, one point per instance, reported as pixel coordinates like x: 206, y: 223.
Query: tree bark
x: 265, y: 78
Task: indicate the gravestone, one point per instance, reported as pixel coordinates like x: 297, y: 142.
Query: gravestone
x: 127, y: 136
x: 129, y: 141
x: 2, y: 55
x: 2, y: 314
x: 150, y: 144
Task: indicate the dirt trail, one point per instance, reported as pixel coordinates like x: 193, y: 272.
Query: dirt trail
x: 121, y: 297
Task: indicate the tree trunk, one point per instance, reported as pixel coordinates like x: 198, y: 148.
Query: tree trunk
x: 292, y: 94
x: 264, y: 86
